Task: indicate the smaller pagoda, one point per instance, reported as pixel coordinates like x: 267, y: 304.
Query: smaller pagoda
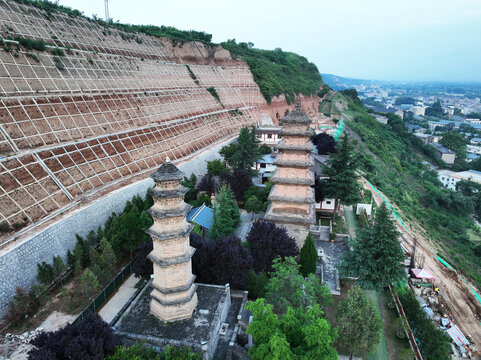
x: 174, y: 294
x: 292, y: 203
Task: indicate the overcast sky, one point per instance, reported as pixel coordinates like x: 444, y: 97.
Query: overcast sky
x: 407, y: 40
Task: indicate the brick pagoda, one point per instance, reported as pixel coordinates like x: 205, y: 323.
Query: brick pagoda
x: 292, y: 203
x: 174, y: 293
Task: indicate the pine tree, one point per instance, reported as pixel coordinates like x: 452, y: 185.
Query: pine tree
x: 58, y: 266
x: 341, y: 183
x: 107, y: 257
x: 376, y: 256
x: 45, y: 273
x: 88, y: 281
x: 358, y: 322
x: 226, y: 214
x: 308, y: 257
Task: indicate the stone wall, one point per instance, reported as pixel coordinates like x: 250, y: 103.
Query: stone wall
x: 18, y: 266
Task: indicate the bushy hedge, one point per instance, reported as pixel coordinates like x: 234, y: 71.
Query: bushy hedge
x: 139, y: 352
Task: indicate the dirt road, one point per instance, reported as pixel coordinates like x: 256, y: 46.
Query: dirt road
x: 456, y: 294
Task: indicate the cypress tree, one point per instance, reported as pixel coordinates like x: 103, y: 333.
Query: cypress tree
x: 308, y: 256
x: 341, y: 183
x: 376, y: 256
x: 226, y: 214
x: 247, y: 152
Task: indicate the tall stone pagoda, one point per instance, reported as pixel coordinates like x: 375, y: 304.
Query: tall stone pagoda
x: 292, y: 202
x: 174, y: 294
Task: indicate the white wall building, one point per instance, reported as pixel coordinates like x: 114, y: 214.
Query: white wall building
x: 449, y: 179
x: 418, y: 110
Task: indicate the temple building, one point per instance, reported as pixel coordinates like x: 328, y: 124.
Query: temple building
x: 174, y: 293
x: 292, y: 202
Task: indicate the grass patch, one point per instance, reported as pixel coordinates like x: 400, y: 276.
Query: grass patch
x: 339, y: 226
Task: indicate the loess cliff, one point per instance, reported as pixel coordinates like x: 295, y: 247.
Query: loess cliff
x: 85, y: 106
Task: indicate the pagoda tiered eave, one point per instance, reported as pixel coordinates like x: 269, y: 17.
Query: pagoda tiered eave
x: 162, y: 194
x: 307, y: 147
x: 169, y: 213
x: 294, y: 163
x: 180, y: 301
x: 170, y: 234
x: 175, y: 289
x: 172, y: 260
x: 293, y: 199
x: 291, y: 218
x: 286, y: 132
x: 276, y: 179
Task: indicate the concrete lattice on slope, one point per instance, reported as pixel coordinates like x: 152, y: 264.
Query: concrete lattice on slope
x: 115, y: 105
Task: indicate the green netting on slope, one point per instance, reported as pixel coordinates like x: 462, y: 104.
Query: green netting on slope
x: 340, y: 128
x: 476, y: 295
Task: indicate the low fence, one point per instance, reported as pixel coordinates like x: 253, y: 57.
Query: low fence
x: 405, y: 321
x: 102, y: 298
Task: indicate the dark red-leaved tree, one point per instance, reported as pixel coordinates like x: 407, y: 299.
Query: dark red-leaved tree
x: 233, y: 262
x: 325, y: 144
x: 89, y: 339
x: 268, y: 242
x: 239, y: 181
x: 142, y: 266
x: 203, y: 259
x: 224, y: 261
x: 208, y: 184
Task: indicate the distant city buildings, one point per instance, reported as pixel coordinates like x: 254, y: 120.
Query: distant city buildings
x: 445, y: 154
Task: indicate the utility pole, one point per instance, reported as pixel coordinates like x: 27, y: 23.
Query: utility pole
x: 107, y: 11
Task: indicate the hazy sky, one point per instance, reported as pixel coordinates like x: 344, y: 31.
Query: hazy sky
x: 377, y: 39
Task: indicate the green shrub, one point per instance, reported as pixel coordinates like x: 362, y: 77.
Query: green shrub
x: 33, y: 56
x: 89, y: 282
x: 58, y: 266
x: 278, y: 72
x: 57, y: 52
x: 433, y: 343
x: 213, y: 92
x: 29, y: 44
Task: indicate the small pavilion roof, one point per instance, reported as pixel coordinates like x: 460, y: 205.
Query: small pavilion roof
x: 202, y: 215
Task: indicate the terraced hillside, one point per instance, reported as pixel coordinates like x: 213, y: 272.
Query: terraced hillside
x: 83, y: 106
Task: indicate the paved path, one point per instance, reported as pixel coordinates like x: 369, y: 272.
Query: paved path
x: 244, y: 228
x: 115, y: 304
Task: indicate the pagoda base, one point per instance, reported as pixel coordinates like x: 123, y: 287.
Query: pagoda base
x: 169, y: 313
x: 137, y: 324
x: 297, y: 225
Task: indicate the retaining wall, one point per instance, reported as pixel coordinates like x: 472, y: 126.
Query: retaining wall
x: 18, y: 266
